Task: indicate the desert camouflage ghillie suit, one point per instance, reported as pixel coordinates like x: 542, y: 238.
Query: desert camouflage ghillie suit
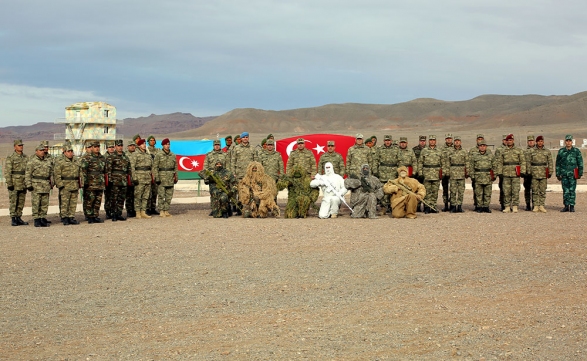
x: 118, y: 171
x: 480, y: 171
x: 301, y: 196
x: 272, y: 162
x: 337, y: 163
x: 430, y: 166
x: 38, y: 182
x: 357, y: 155
x: 165, y: 176
x: 507, y: 162
x: 257, y: 192
x: 566, y: 162
x: 220, y: 200
x: 303, y: 158
x: 93, y: 168
x: 67, y: 180
x: 403, y: 203
x: 14, y: 173
x: 457, y: 162
x: 539, y: 165
x: 366, y: 190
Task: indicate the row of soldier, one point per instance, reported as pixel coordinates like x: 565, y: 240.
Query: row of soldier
x: 131, y: 179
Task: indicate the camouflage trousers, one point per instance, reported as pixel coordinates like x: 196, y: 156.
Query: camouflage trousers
x: 366, y: 205
x: 447, y: 191
x: 92, y: 200
x: 16, y: 199
x: 165, y: 194
x: 142, y: 193
x: 129, y: 202
x: 116, y: 201
x: 539, y: 191
x: 219, y: 202
x: 67, y: 203
x: 569, y: 186
x: 483, y: 194
x: 528, y: 189
x: 107, y: 199
x: 511, y: 191
x: 500, y: 185
x: 40, y: 205
x: 457, y: 189
x: 432, y: 187
x: 152, y: 203
x: 474, y: 186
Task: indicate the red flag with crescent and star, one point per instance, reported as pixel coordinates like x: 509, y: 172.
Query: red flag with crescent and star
x: 317, y: 143
x: 190, y: 163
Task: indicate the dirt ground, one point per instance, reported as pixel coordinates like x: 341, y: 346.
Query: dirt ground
x: 444, y: 286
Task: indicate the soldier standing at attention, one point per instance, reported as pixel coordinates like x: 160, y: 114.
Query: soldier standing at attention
x: 472, y: 151
x: 152, y: 203
x: 431, y: 166
x: 38, y: 182
x: 528, y: 176
x: 93, y: 168
x: 141, y: 168
x: 406, y: 157
x: 129, y: 202
x: 272, y: 161
x: 370, y: 143
x: 511, y: 164
x: 457, y: 164
x: 165, y: 174
x: 357, y: 155
x: 446, y: 150
x: 539, y: 166
x: 212, y: 157
x: 118, y: 172
x: 67, y: 176
x: 417, y: 151
x: 302, y: 157
x: 108, y: 185
x: 480, y: 169
x: 500, y: 182
x: 240, y: 158
x: 332, y: 156
x: 569, y: 168
x: 388, y: 160
x: 14, y: 173
x: 228, y: 141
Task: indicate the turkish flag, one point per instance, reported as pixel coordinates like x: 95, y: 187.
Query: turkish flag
x: 190, y: 163
x: 316, y: 143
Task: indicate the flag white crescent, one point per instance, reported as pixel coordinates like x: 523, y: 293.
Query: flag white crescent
x: 182, y: 165
x: 290, y: 146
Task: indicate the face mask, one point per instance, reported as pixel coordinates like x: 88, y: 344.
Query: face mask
x: 219, y: 167
x: 403, y: 174
x: 365, y: 171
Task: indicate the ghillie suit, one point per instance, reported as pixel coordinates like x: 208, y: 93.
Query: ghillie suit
x: 366, y: 189
x: 300, y: 195
x: 257, y: 193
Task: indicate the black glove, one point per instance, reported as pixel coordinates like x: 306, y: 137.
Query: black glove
x: 366, y: 186
x: 11, y: 188
x: 135, y: 182
x: 31, y: 188
x: 158, y: 182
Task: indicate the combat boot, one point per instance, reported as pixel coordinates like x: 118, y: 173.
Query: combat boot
x: 224, y: 214
x: 572, y: 208
x: 514, y: 209
x: 419, y: 208
x: 480, y: 209
x: 90, y: 220
x: 453, y: 209
x: 21, y: 222
x: 460, y: 209
x: 145, y: 215
x: 542, y: 209
x: 47, y: 221
x: 382, y: 211
x: 566, y: 209
x: 65, y: 221
x: 229, y: 211
x: 333, y: 215
x: 446, y: 208
x: 38, y: 222
x: 536, y: 209
x: 98, y: 220
x: 528, y: 207
x: 506, y: 210
x: 14, y: 222
x: 119, y: 218
x: 73, y: 221
x: 426, y: 210
x: 44, y: 222
x: 486, y: 210
x: 108, y: 215
x: 155, y: 212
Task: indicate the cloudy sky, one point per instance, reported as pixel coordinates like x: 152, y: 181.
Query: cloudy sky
x: 208, y: 57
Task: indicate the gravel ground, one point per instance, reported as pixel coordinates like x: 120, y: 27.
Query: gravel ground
x: 466, y: 287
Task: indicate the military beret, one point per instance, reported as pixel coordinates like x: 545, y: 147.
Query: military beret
x: 228, y: 137
x: 300, y: 141
x: 18, y: 142
x: 448, y: 135
x: 150, y: 137
x: 431, y: 137
x: 270, y: 136
x: 119, y: 142
x: 403, y: 139
x: 373, y: 137
x: 530, y: 137
x: 136, y: 137
x: 330, y: 142
x: 369, y: 140
x: 509, y: 137
x: 216, y: 142
x: 140, y: 141
x: 569, y: 137
x: 359, y: 136
x: 539, y: 138
x: 109, y: 143
x: 457, y: 137
x: 264, y: 141
x: 237, y: 137
x: 422, y: 137
x: 165, y: 141
x: 40, y: 147
x: 387, y: 137
x: 244, y: 134
x: 270, y: 142
x: 480, y: 136
x: 483, y: 142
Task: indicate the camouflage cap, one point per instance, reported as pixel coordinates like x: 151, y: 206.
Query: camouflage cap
x: 88, y: 144
x: 270, y: 142
x: 504, y: 136
x: 457, y: 137
x: 569, y: 137
x: 119, y: 142
x: 45, y: 143
x: 530, y: 137
x: 18, y: 142
x: 131, y: 143
x: 432, y: 137
x: 359, y: 136
x: 403, y: 139
x: 483, y: 142
x: 216, y: 142
x: 40, y: 147
x: 300, y: 141
x: 67, y: 147
x: 448, y: 135
x: 95, y: 143
x: 109, y: 143
x: 330, y: 142
x: 387, y: 137
x: 480, y: 136
x: 422, y: 137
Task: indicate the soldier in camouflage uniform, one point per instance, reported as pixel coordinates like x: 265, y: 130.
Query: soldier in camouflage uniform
x: 141, y: 166
x: 472, y: 151
x: 38, y: 182
x: 358, y: 155
x: 457, y: 163
x: 431, y: 166
x: 152, y: 202
x: 366, y: 190
x: 302, y: 157
x: 406, y: 157
x: 528, y: 176
x: 118, y: 172
x: 14, y: 173
x: 511, y: 164
x: 387, y: 166
x: 219, y: 200
x: 165, y: 174
x: 446, y: 150
x: 334, y: 158
x: 272, y: 161
x: 481, y: 171
x: 93, y: 168
x: 240, y: 158
x: 67, y: 179
x: 108, y: 185
x: 129, y: 201
x: 370, y: 143
x: 539, y: 166
x: 417, y: 151
x: 500, y: 182
x: 568, y: 161
x: 228, y: 141
x: 215, y: 155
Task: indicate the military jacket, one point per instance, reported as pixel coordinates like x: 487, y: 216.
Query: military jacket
x: 14, y: 171
x: 480, y: 166
x: 358, y: 155
x: 475, y: 149
x: 165, y: 168
x: 431, y: 163
x: 214, y: 156
x: 406, y: 157
x: 417, y: 151
x: 457, y: 160
x: 304, y: 158
x: 337, y: 163
x: 375, y: 160
x: 141, y: 165
x: 153, y: 151
x: 388, y: 163
x: 38, y: 174
x: 240, y: 158
x: 567, y: 160
x: 508, y: 159
x: 118, y: 169
x: 272, y: 162
x: 537, y: 161
x: 66, y: 174
x: 93, y: 168
x: 227, y: 179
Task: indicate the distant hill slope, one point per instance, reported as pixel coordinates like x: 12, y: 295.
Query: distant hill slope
x: 486, y: 111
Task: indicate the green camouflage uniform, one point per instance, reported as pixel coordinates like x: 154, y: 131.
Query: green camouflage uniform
x: 92, y: 169
x: 273, y: 163
x: 538, y: 164
x: 447, y: 149
x: 457, y: 163
x: 240, y: 158
x: 417, y: 151
x: 407, y: 158
x: 107, y: 187
x: 14, y: 173
x: 213, y: 157
x: 304, y: 158
x: 507, y: 161
x: 358, y: 155
x: 375, y: 159
x: 528, y: 178
x: 337, y: 163
x: 67, y: 178
x: 141, y: 165
x: 387, y: 167
x: 129, y: 201
x: 566, y: 162
x: 500, y: 181
x: 152, y: 203
x: 430, y: 165
x: 219, y: 200
x: 165, y: 174
x: 472, y: 152
x: 118, y: 171
x: 480, y: 169
x: 38, y: 176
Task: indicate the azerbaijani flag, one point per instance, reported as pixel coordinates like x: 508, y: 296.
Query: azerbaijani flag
x: 190, y: 155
